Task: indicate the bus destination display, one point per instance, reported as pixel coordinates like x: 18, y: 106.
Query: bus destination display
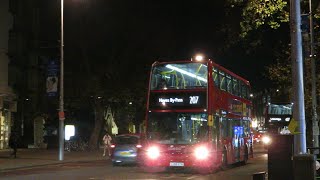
x: 177, y: 100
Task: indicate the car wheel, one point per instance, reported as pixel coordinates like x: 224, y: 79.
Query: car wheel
x: 115, y: 164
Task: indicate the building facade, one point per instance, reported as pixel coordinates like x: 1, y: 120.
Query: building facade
x: 7, y: 97
x: 28, y: 54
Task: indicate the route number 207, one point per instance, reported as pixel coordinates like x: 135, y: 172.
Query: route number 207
x: 194, y: 99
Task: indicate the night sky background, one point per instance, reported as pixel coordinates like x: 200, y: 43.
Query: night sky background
x: 110, y: 45
x: 128, y: 36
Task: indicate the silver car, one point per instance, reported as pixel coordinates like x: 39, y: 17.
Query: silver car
x: 126, y: 149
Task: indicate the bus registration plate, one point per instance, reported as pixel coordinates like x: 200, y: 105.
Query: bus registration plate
x: 176, y: 164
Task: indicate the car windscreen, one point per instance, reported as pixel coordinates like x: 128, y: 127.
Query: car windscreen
x: 126, y: 140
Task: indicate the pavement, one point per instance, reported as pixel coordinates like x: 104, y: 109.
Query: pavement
x: 27, y: 158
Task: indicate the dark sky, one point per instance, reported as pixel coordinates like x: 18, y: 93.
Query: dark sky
x: 139, y: 32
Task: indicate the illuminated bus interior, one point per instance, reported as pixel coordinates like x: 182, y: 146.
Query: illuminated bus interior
x: 229, y: 127
x: 179, y: 76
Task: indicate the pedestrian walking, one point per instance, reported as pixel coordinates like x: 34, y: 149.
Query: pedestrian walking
x: 107, y: 143
x: 13, y: 143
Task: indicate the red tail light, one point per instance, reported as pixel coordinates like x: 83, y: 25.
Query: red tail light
x: 113, y: 146
x: 139, y: 146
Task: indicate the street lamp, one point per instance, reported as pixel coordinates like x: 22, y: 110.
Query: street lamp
x: 61, y: 108
x: 297, y: 77
x: 199, y: 58
x: 315, y: 122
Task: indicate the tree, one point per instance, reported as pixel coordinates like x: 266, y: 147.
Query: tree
x: 260, y: 14
x: 104, y: 76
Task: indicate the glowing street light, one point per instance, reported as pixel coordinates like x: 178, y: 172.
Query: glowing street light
x: 255, y: 124
x: 69, y: 132
x: 199, y: 57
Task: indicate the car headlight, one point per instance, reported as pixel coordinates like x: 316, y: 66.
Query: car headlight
x: 266, y: 139
x: 201, y: 152
x: 153, y: 152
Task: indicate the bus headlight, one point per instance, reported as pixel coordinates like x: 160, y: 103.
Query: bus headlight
x: 153, y: 152
x: 201, y: 152
x: 266, y: 139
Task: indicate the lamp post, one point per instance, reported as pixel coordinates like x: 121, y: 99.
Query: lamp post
x: 61, y: 103
x: 297, y: 77
x: 315, y: 123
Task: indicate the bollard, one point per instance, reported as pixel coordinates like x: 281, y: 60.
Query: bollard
x: 259, y: 176
x: 304, y: 166
x: 280, y: 152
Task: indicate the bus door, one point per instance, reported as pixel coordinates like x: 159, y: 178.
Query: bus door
x: 237, y: 140
x: 216, y: 133
x: 227, y: 138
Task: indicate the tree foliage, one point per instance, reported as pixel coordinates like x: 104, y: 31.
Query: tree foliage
x: 258, y: 13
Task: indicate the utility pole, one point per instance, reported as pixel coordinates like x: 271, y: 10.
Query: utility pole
x: 297, y: 77
x: 315, y: 124
x: 61, y: 103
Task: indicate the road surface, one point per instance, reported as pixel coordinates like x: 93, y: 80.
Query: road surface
x: 103, y: 170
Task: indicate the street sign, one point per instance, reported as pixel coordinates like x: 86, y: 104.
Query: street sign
x: 52, y: 78
x: 61, y: 115
x: 293, y: 126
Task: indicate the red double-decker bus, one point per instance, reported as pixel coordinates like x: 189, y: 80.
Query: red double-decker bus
x: 198, y: 115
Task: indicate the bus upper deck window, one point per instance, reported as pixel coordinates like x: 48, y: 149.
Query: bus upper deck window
x: 222, y: 80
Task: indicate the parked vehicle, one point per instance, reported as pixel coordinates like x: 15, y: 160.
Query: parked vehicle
x: 126, y: 149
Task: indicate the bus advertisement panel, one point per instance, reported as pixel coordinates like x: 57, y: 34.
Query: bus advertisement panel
x: 198, y: 115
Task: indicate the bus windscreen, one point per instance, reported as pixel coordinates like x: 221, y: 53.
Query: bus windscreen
x: 177, y: 128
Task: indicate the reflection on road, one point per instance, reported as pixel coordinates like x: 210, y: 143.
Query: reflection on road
x: 105, y: 170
